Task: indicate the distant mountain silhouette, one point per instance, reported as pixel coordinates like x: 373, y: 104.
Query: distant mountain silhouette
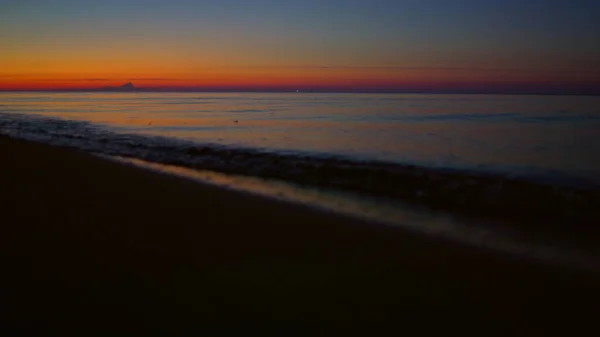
x: 125, y: 87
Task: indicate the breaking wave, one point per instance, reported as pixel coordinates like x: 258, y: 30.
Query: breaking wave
x: 482, y: 193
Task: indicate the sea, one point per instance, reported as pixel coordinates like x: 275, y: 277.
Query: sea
x: 444, y: 165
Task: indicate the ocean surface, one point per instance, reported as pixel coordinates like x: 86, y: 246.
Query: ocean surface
x: 493, y: 153
x: 545, y: 137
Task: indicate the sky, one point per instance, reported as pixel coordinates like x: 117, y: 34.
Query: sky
x: 510, y: 45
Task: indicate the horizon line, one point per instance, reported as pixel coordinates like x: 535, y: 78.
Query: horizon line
x: 482, y: 91
x: 510, y: 87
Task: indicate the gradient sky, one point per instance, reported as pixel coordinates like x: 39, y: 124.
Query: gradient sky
x: 352, y: 44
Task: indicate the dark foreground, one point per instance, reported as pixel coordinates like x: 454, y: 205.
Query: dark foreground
x: 90, y: 247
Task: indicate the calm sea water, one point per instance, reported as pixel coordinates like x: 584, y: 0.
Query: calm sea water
x: 339, y: 146
x: 555, y: 137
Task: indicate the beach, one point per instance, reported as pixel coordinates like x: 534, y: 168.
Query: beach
x: 94, y: 247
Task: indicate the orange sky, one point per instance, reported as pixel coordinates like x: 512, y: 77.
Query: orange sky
x: 86, y: 74
x: 273, y: 44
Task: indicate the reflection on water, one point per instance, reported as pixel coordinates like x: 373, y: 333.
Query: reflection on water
x: 543, y: 136
x: 389, y: 212
x: 528, y: 134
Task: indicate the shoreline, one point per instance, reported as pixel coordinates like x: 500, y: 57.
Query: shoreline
x: 90, y: 245
x: 538, y: 202
x: 503, y: 237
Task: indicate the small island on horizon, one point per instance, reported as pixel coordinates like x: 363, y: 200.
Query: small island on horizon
x: 125, y: 87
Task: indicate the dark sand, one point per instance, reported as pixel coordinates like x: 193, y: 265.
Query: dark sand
x: 92, y: 247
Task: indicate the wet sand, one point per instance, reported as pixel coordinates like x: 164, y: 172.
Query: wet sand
x: 92, y: 247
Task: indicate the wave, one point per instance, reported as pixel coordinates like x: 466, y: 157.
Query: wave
x: 511, y: 117
x: 475, y: 192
